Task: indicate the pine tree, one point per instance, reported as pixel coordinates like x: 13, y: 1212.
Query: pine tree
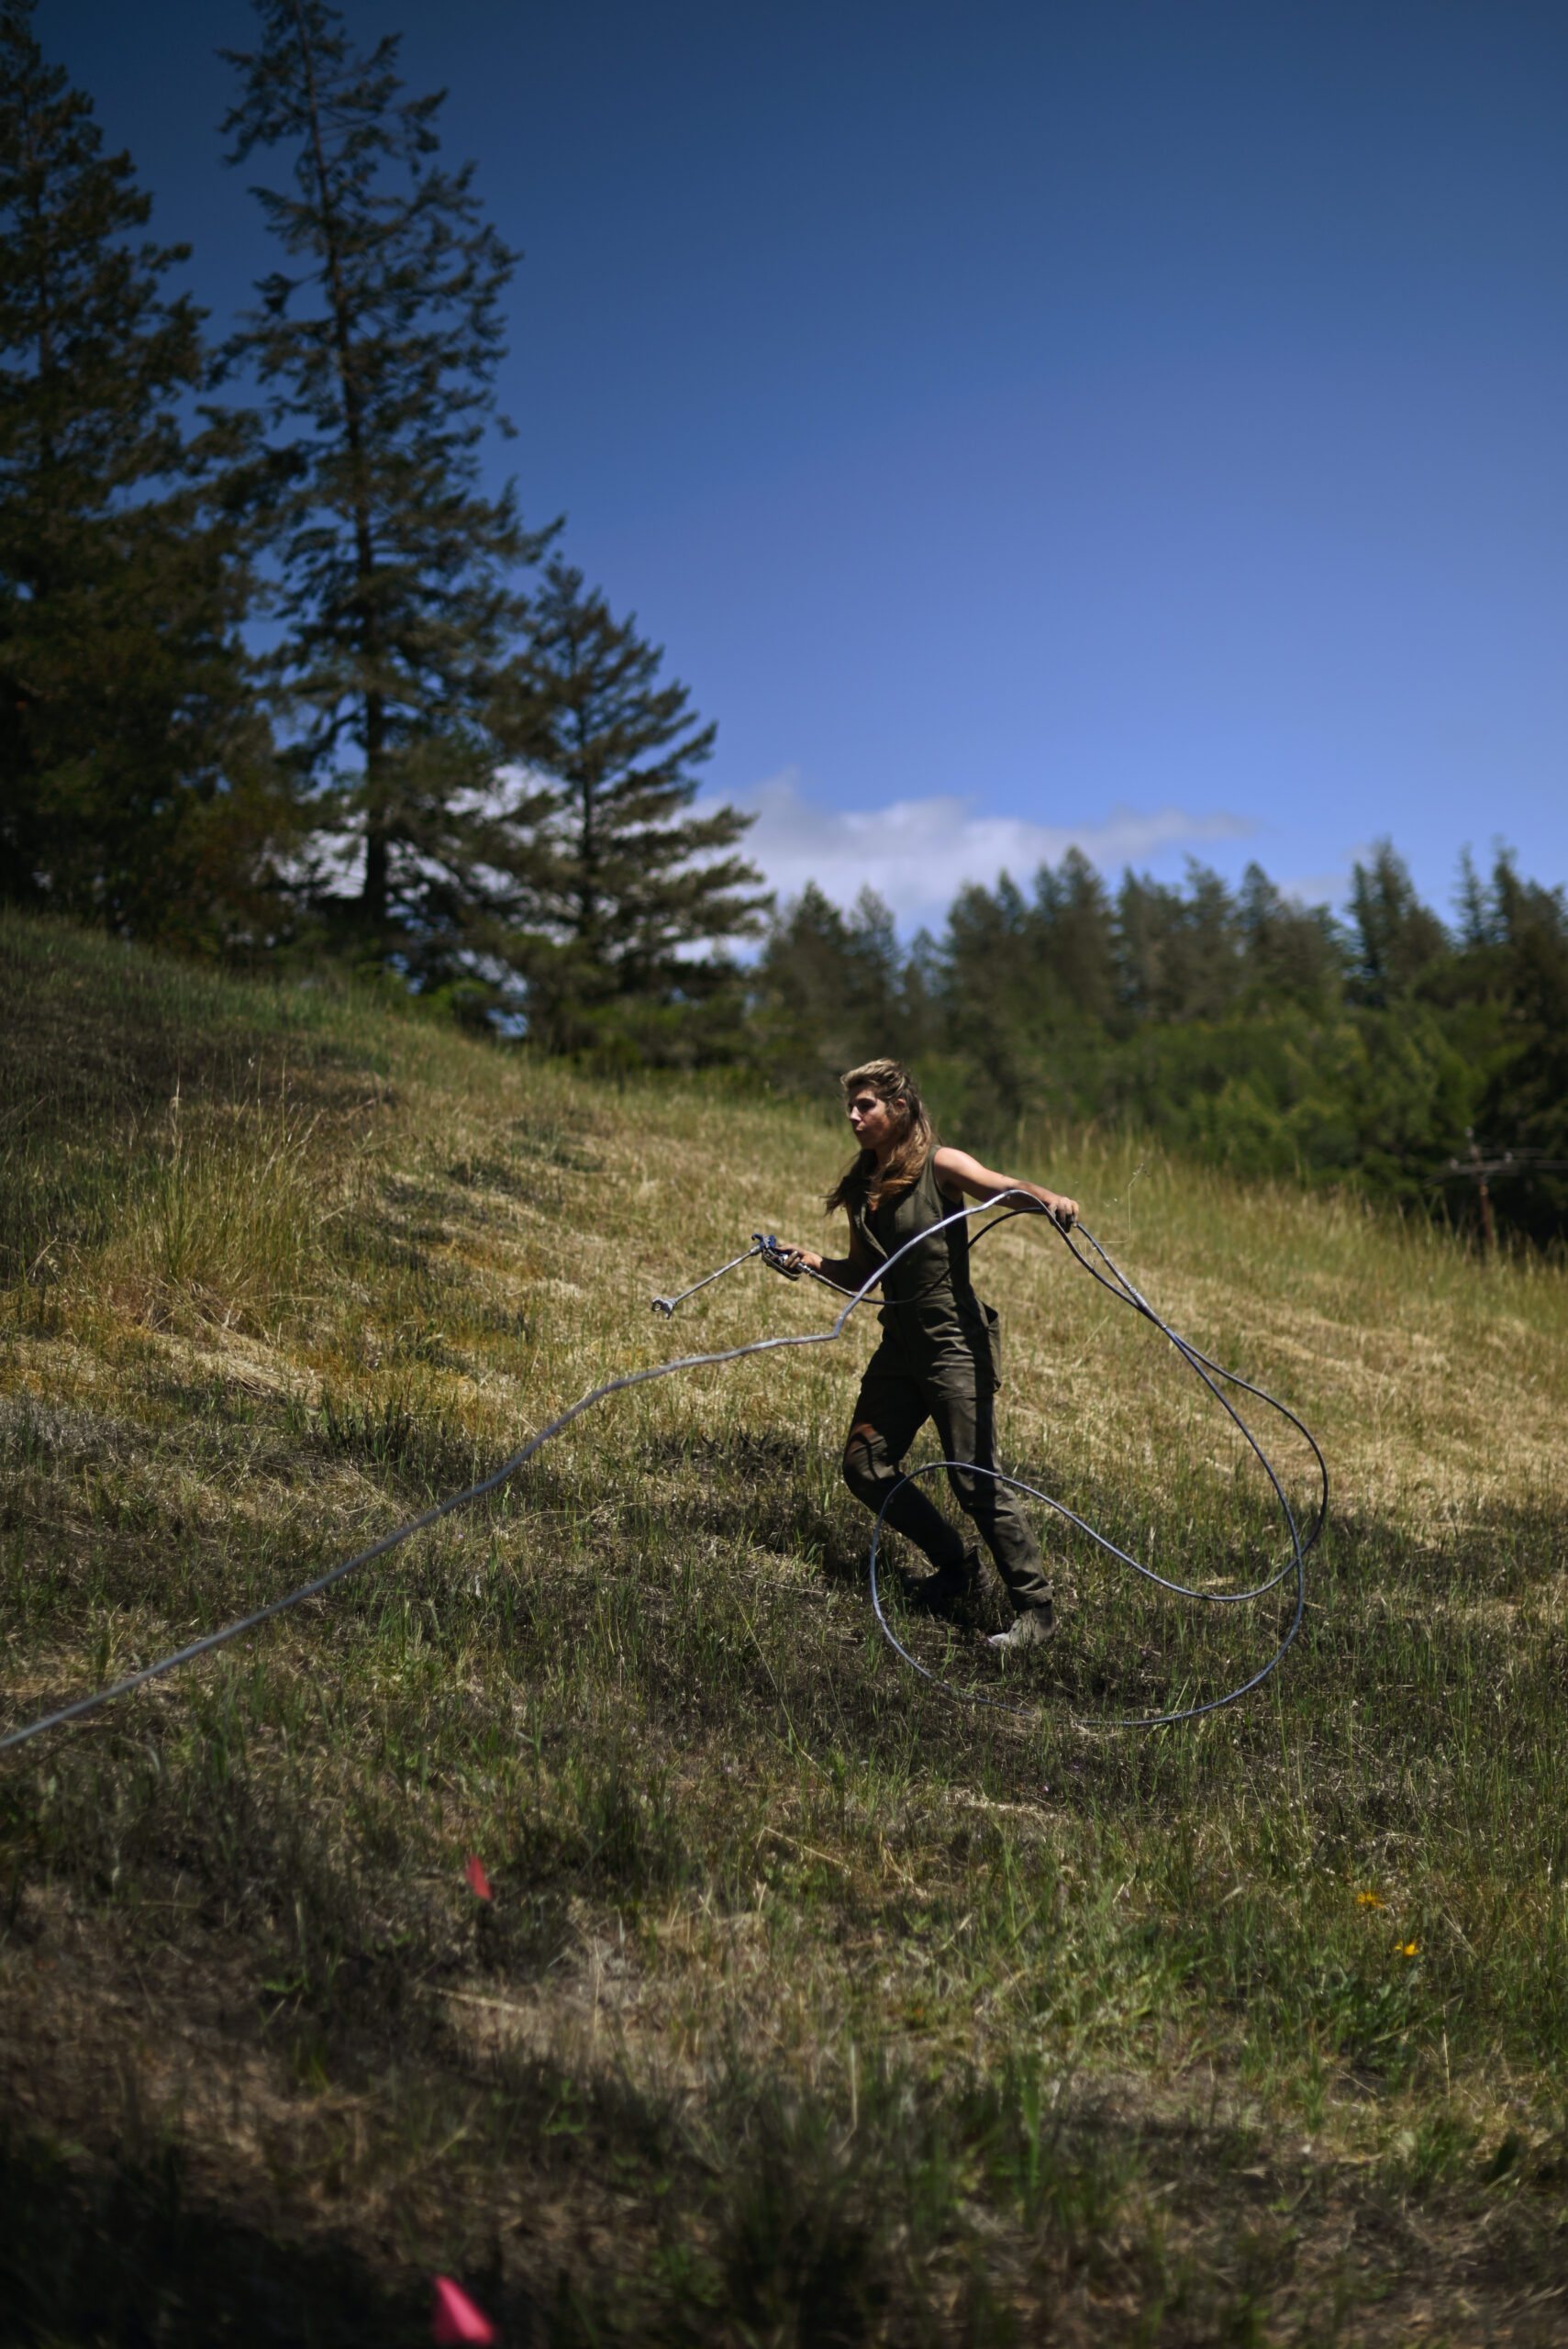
x: 835, y: 989
x: 988, y: 994
x: 1525, y: 1106
x: 135, y: 784
x: 621, y: 883
x: 377, y: 358
x: 1294, y: 953
x: 1180, y: 954
x: 1396, y: 937
x: 1076, y: 929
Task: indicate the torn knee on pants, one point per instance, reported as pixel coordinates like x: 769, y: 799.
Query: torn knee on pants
x: 866, y: 1466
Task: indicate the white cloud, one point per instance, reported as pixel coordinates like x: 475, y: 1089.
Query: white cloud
x: 916, y: 852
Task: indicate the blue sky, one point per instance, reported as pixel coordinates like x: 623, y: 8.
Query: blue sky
x: 1137, y: 424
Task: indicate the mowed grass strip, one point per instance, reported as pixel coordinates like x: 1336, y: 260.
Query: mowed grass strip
x: 809, y: 2004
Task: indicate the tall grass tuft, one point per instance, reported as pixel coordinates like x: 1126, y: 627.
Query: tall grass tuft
x: 226, y: 1218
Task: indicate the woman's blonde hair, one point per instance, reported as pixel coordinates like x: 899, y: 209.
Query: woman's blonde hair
x: 892, y: 1083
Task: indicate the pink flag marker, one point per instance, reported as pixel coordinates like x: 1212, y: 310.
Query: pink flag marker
x: 480, y: 1883
x: 453, y: 2316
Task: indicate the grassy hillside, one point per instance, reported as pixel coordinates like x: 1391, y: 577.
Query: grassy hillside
x: 810, y: 2006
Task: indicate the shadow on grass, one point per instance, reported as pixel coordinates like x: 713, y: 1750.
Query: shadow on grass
x: 119, y: 2257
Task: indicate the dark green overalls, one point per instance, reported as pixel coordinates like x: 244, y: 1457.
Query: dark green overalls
x: 940, y: 1359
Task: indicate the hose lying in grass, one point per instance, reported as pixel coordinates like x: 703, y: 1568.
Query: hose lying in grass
x: 766, y: 1246
x: 1122, y: 1289
x: 769, y: 1251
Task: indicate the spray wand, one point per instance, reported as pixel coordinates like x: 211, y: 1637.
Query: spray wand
x: 772, y: 1251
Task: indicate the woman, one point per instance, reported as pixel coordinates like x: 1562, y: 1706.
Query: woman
x: 939, y: 1358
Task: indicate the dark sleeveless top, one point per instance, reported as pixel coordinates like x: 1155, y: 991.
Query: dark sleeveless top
x: 929, y: 1307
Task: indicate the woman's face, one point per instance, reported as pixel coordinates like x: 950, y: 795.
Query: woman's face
x: 875, y: 1121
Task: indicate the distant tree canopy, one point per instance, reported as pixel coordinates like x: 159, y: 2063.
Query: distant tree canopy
x: 832, y: 989
x: 1243, y: 1027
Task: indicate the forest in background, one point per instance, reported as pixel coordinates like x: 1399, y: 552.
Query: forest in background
x: 1238, y: 1026
x: 283, y: 686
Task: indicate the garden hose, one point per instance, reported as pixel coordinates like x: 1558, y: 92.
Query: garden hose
x: 766, y: 1248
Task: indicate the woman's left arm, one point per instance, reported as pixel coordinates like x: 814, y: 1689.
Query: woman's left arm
x: 957, y: 1173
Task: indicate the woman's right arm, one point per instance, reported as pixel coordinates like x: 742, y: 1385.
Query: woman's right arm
x: 847, y: 1272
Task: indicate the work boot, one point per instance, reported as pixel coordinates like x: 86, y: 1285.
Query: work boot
x: 946, y: 1591
x: 1032, y: 1627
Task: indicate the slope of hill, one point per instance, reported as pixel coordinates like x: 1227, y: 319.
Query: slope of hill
x: 809, y: 2005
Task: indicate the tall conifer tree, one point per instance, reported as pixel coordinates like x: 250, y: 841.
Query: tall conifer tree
x: 620, y: 883
x: 1395, y: 937
x: 834, y: 989
x: 376, y: 352
x: 134, y: 781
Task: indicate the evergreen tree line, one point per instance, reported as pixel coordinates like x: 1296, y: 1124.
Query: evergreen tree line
x: 280, y: 680
x: 1242, y: 1027
x: 451, y: 764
